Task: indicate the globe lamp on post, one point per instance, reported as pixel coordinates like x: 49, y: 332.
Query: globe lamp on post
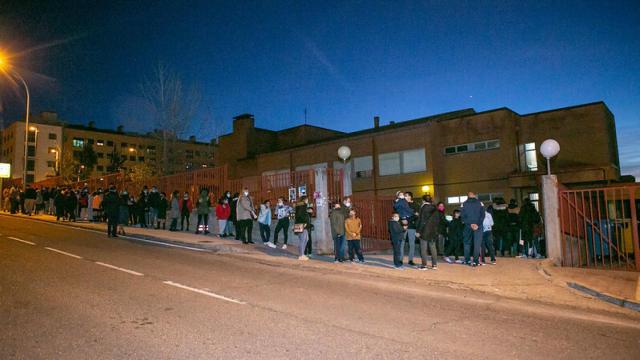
x: 549, y: 149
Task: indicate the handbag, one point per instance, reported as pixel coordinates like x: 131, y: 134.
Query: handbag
x: 299, y: 228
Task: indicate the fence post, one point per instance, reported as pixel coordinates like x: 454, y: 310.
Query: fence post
x: 323, y: 242
x: 550, y: 203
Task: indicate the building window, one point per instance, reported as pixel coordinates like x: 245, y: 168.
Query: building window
x: 362, y: 166
x: 78, y: 142
x: 51, y: 164
x: 30, y: 178
x: 456, y: 199
x: 31, y: 150
x: 31, y: 165
x: 90, y: 141
x: 132, y: 158
x: 535, y: 199
x: 404, y: 162
x: 31, y: 136
x: 141, y: 158
x: 528, y: 157
x: 109, y: 143
x: 53, y: 136
x: 100, y: 155
x: 471, y: 147
x: 99, y: 142
x: 100, y: 168
x: 124, y: 145
x: 490, y: 197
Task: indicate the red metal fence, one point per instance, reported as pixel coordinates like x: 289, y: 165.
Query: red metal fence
x: 374, y: 214
x: 599, y: 227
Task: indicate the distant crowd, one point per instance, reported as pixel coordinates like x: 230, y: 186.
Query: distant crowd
x: 467, y: 236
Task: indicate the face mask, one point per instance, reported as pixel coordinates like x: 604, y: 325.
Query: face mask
x: 347, y: 204
x: 401, y: 197
x: 280, y: 203
x: 396, y: 218
x: 246, y: 193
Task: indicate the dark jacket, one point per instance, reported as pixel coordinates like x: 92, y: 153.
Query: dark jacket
x: 111, y: 204
x: 428, y: 222
x: 337, y: 218
x: 529, y: 217
x: 233, y: 215
x: 395, y: 230
x: 153, y: 199
x: 401, y: 206
x: 302, y: 215
x: 30, y: 193
x: 415, y: 208
x: 500, y: 219
x: 456, y: 228
x: 163, y: 205
x: 473, y: 212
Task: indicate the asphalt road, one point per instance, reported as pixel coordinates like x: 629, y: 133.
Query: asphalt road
x: 74, y: 294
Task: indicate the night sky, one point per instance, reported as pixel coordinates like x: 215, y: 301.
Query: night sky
x: 344, y: 62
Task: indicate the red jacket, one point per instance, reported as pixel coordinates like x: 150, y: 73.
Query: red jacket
x: 223, y: 212
x: 189, y: 205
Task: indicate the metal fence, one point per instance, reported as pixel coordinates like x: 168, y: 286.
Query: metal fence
x: 599, y: 227
x: 375, y: 215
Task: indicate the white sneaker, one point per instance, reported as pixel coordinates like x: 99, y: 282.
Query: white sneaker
x: 446, y: 258
x: 459, y: 262
x: 271, y: 245
x: 284, y: 247
x: 302, y: 257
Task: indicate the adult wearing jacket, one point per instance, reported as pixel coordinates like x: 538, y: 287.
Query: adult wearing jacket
x: 111, y: 207
x: 71, y: 205
x: 223, y: 211
x: 264, y: 223
x: 500, y: 227
x: 60, y: 204
x: 174, y: 210
x: 337, y: 217
x: 153, y: 203
x: 302, y: 216
x: 186, y: 206
x: 282, y: 211
x: 427, y: 228
x: 245, y: 213
x: 233, y: 217
x: 455, y: 234
x: 30, y: 195
x: 529, y: 217
x: 202, y: 207
x: 472, y: 217
x: 123, y: 212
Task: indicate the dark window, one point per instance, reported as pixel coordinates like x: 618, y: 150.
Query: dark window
x: 77, y: 154
x: 450, y: 150
x: 480, y: 146
x: 53, y: 136
x: 109, y: 143
x: 100, y: 168
x: 51, y: 164
x: 90, y: 141
x: 31, y: 150
x: 462, y: 148
x: 140, y: 158
x: 124, y: 145
x: 100, y: 155
x: 31, y: 165
x: 31, y: 136
x: 197, y: 153
x: 30, y: 178
x: 132, y: 158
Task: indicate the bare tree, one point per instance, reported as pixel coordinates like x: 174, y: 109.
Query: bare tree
x: 174, y: 108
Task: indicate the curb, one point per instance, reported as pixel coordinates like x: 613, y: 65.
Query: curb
x: 605, y: 297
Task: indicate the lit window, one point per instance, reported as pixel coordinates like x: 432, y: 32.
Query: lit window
x: 99, y: 142
x: 528, y: 157
x: 535, y: 200
x: 456, y: 199
x: 78, y: 142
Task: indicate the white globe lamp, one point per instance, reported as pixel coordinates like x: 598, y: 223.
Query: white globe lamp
x: 344, y: 152
x: 549, y: 149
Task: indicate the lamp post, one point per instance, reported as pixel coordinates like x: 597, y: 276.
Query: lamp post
x: 549, y: 148
x: 5, y: 65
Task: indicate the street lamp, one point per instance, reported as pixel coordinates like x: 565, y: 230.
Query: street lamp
x: 6, y: 67
x: 549, y: 148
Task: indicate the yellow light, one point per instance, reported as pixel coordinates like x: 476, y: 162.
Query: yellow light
x: 53, y: 151
x: 33, y: 128
x: 132, y: 149
x: 425, y: 188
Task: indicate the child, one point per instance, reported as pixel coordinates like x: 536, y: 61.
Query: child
x: 353, y: 230
x: 223, y: 211
x: 396, y: 230
x: 455, y: 238
x: 264, y: 222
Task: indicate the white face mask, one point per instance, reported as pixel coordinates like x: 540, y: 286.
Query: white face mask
x: 280, y: 203
x: 246, y: 193
x: 400, y: 196
x: 396, y: 218
x: 347, y: 204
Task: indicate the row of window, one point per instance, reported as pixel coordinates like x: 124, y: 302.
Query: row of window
x: 471, y: 147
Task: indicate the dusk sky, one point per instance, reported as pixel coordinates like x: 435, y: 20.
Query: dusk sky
x: 343, y: 61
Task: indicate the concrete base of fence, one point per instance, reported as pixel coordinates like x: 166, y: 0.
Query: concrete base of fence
x: 550, y: 206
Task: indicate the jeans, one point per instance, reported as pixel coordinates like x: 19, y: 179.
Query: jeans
x: 283, y: 224
x: 308, y: 249
x: 153, y: 217
x: 487, y: 243
x: 228, y: 227
x: 397, y: 252
x: 338, y: 244
x: 430, y: 246
x: 410, y: 236
x: 112, y: 224
x: 472, y: 238
x: 174, y: 224
x: 222, y: 227
x: 303, y: 238
x: 265, y: 232
x: 203, y: 223
x: 354, y: 247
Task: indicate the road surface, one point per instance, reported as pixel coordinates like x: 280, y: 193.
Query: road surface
x: 74, y: 294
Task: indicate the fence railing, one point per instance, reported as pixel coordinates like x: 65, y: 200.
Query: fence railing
x: 599, y: 227
x: 375, y: 215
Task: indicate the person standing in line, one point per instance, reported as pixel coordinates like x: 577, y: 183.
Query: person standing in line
x: 487, y: 237
x: 401, y: 206
x: 513, y: 227
x: 30, y: 196
x: 186, y: 206
x: 233, y: 217
x: 163, y: 205
x: 529, y: 217
x: 337, y: 220
x: 111, y: 206
x: 500, y: 226
x: 442, y: 228
x: 123, y: 212
x: 60, y: 204
x: 203, y: 205
x: 396, y: 231
x: 83, y: 203
x: 71, y: 205
x: 427, y: 231
x: 264, y: 222
x: 223, y: 211
x: 455, y: 230
x: 302, y: 222
x: 308, y: 250
x: 6, y: 202
x: 229, y: 227
x: 411, y: 228
x: 353, y: 233
x: 153, y: 203
x: 245, y: 213
x: 472, y: 217
x: 174, y: 210
x: 283, y: 212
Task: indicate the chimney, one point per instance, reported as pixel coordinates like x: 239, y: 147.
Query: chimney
x: 120, y: 129
x: 92, y: 124
x: 376, y: 122
x: 192, y: 138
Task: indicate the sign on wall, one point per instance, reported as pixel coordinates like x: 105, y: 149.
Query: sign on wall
x: 5, y: 170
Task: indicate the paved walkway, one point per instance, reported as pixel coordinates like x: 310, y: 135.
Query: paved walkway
x: 527, y: 279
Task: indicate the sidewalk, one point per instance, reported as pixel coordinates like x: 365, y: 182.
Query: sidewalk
x: 523, y: 279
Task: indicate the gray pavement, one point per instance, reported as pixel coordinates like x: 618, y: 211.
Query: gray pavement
x: 74, y: 294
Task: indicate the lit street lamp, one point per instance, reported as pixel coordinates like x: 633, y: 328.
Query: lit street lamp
x: 549, y: 148
x: 6, y: 67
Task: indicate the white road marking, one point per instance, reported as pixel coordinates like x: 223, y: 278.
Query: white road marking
x: 64, y: 253
x: 22, y: 241
x: 120, y: 269
x: 208, y: 293
x: 164, y: 243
